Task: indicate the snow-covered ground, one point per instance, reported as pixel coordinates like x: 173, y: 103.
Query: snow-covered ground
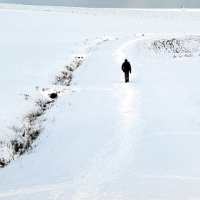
x: 102, y: 138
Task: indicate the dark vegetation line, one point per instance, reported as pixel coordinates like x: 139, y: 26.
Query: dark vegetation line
x: 32, y: 124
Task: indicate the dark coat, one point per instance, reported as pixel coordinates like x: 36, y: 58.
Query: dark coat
x: 126, y: 67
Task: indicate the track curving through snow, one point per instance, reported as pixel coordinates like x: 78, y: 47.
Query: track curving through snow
x: 142, y: 137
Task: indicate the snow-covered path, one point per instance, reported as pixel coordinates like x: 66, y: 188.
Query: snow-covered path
x: 108, y: 107
x: 114, y: 123
x: 124, y: 141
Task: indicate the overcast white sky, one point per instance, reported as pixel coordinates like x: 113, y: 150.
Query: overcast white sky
x: 112, y: 3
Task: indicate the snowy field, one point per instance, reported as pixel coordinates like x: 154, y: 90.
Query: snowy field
x: 101, y: 138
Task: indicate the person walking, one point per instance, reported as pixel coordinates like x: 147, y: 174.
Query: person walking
x: 126, y: 68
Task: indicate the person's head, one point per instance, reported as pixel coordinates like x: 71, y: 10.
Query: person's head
x: 125, y: 60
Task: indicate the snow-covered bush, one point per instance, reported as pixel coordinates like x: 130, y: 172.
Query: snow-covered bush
x: 177, y: 47
x: 172, y: 46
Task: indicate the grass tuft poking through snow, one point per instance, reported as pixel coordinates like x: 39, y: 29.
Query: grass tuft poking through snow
x: 65, y: 77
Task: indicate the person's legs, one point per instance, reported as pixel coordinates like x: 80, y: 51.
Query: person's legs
x: 126, y: 77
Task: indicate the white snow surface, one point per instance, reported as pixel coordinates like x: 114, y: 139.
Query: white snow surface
x: 103, y: 139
